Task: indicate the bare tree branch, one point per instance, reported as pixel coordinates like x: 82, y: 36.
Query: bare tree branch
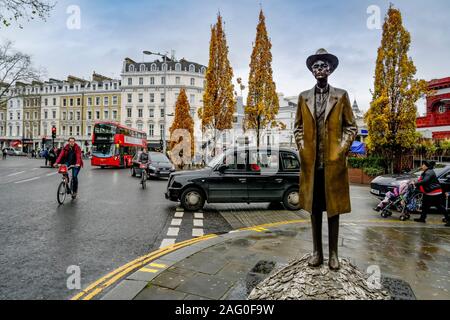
x: 13, y: 11
x: 15, y: 66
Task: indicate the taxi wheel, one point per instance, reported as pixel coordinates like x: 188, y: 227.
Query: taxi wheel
x: 291, y: 199
x: 192, y: 199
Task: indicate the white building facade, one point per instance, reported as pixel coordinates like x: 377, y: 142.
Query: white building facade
x: 144, y: 105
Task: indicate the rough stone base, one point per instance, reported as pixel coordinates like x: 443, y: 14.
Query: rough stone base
x: 298, y: 281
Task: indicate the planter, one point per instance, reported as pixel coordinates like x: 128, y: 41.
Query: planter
x: 358, y: 176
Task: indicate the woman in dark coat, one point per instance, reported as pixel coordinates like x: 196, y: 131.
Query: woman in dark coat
x: 433, y: 195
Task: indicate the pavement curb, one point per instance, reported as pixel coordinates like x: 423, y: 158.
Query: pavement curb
x: 130, y: 282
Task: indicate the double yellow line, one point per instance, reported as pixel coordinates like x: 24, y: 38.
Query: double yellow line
x: 101, y: 284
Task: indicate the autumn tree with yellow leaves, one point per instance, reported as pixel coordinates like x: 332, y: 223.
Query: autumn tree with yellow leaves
x: 262, y: 100
x: 184, y: 121
x: 391, y: 119
x: 219, y: 103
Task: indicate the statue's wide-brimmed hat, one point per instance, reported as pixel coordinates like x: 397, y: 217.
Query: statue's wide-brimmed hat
x: 322, y: 54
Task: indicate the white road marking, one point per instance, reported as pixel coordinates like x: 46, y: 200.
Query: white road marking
x: 35, y: 169
x: 23, y: 181
x: 176, y: 222
x: 15, y: 174
x: 167, y: 242
x: 198, y: 215
x: 197, y: 232
x: 51, y: 174
x: 198, y: 223
x: 179, y: 214
x: 173, y: 232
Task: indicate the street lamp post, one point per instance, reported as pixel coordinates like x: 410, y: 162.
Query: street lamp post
x: 163, y: 137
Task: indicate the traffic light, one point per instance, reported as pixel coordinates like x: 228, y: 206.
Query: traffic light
x: 53, y: 132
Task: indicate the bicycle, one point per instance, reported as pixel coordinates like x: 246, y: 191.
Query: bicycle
x: 63, y: 188
x: 143, y: 182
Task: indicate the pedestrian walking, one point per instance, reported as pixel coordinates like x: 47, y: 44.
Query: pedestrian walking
x: 4, y: 152
x: 433, y: 195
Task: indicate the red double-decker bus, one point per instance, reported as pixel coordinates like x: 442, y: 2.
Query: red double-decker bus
x: 114, y: 145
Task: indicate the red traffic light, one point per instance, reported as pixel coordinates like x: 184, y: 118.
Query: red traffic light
x: 53, y: 129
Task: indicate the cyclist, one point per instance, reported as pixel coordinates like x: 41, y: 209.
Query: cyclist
x: 144, y: 157
x: 70, y: 155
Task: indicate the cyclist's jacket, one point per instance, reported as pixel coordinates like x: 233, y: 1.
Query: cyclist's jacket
x: 64, y: 155
x: 143, y: 157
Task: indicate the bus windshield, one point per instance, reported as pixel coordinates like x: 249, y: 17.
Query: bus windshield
x: 105, y: 128
x: 103, y: 150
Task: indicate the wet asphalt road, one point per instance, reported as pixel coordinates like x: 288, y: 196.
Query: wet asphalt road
x: 113, y: 222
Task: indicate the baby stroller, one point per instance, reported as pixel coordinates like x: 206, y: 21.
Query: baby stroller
x: 406, y: 199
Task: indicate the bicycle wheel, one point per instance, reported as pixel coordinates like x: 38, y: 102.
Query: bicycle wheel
x: 143, y: 181
x: 62, y: 192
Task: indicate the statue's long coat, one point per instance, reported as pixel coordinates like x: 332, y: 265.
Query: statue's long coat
x: 340, y: 132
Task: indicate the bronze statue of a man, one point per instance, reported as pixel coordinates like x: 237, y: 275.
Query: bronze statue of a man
x: 325, y: 128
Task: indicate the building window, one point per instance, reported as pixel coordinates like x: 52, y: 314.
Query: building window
x: 105, y: 101
x: 115, y: 86
x: 114, y: 114
x: 161, y: 130
x: 141, y: 81
x: 53, y: 114
x: 130, y: 81
x: 140, y: 113
x: 141, y: 98
x: 163, y: 80
x: 139, y: 126
x: 153, y: 67
x: 164, y: 67
x: 97, y: 101
x: 192, y: 99
x: 203, y: 70
x: 152, y: 98
x: 106, y: 86
x: 54, y: 101
x: 65, y: 102
x: 78, y: 101
x: 78, y: 130
x: 142, y: 68
x: 151, y: 131
x: 130, y: 98
x: 178, y: 67
x: 192, y: 81
x: 177, y: 80
x: 89, y: 130
x: 89, y: 101
x: 106, y: 114
x: 18, y: 115
x: 115, y: 100
x: 97, y: 115
x: 10, y: 116
x: 71, y: 102
x: 162, y: 97
x: 131, y: 68
x: 191, y: 68
x: 129, y: 113
x: 78, y: 115
x: 45, y: 102
x: 70, y: 115
x: 162, y: 112
x: 151, y: 113
x: 70, y: 131
x: 17, y: 131
x: 45, y: 114
x: 89, y: 115
x: 64, y: 116
x: 152, y: 80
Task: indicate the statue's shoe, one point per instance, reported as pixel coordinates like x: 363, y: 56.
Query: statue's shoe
x: 333, y: 263
x: 316, y: 260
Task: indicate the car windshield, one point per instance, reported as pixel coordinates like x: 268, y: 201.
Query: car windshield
x: 438, y: 169
x: 158, y: 157
x: 216, y: 160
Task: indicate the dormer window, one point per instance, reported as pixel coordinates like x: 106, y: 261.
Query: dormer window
x: 203, y: 70
x: 164, y: 67
x: 178, y: 67
x: 191, y: 68
x: 153, y: 67
x: 142, y: 68
x: 131, y: 69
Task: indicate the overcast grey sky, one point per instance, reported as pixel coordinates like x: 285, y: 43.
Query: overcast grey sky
x: 111, y: 30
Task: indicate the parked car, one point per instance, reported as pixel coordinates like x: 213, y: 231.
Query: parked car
x: 382, y: 184
x: 14, y: 152
x: 240, y: 175
x: 159, y: 165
